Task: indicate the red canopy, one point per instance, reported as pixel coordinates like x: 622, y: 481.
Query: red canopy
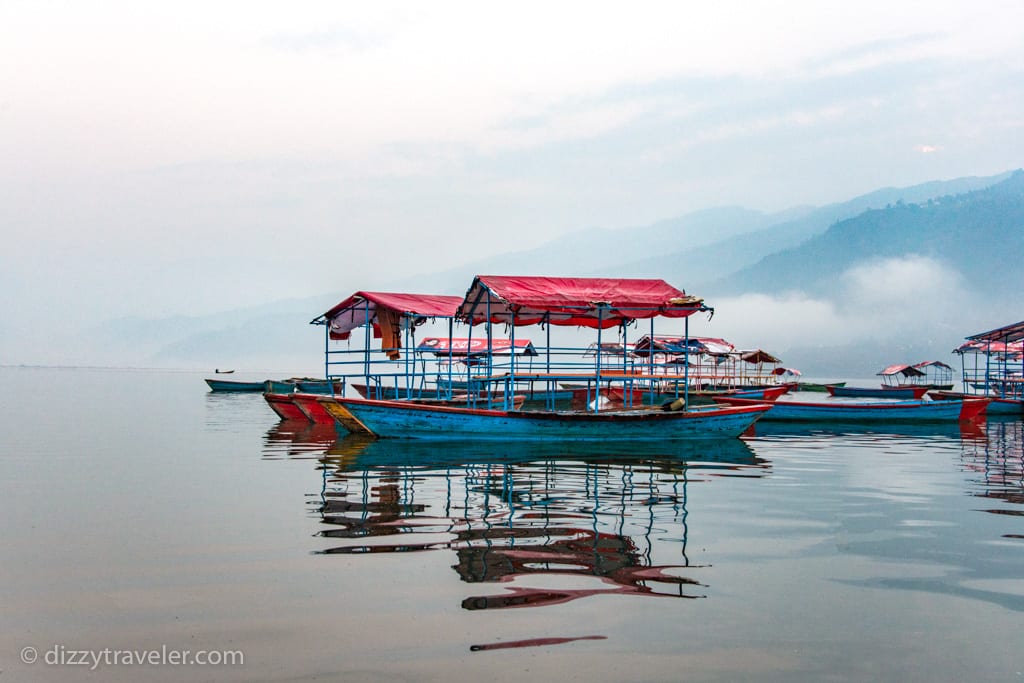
x: 908, y: 370
x: 361, y: 308
x: 586, y: 302
x: 1009, y: 333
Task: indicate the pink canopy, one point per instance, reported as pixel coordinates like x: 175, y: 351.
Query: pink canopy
x: 985, y: 346
x: 362, y: 307
x: 465, y: 346
x: 669, y: 344
x: 585, y: 302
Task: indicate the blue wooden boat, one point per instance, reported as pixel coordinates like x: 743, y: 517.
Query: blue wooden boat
x: 319, y: 386
x: 514, y: 301
x: 998, y: 406
x: 279, y: 386
x: 818, y: 386
x: 877, y: 392
x: 226, y: 385
x: 911, y: 410
x: 306, y: 385
x: 402, y: 419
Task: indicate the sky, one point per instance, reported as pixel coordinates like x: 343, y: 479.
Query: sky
x: 186, y: 158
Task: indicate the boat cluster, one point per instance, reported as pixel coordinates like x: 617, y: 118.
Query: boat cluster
x: 444, y: 367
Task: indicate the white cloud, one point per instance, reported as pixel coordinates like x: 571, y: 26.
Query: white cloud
x: 889, y: 299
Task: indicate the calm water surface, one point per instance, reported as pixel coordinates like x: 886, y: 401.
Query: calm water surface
x: 142, y: 512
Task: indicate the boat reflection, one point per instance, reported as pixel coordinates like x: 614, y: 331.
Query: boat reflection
x: 290, y: 438
x: 999, y: 460
x: 554, y: 521
x: 967, y: 430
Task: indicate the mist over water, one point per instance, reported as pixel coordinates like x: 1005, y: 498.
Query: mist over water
x: 142, y: 510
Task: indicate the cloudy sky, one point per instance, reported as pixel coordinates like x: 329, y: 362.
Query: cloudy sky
x: 186, y: 158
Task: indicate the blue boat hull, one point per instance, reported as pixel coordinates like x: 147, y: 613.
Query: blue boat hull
x: 396, y: 419
x: 225, y: 385
x: 893, y: 411
x: 319, y: 386
x: 998, y: 405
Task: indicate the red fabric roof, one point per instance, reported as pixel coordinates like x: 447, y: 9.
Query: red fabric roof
x: 758, y: 356
x: 361, y: 307
x: 586, y: 302
x: 984, y: 346
x: 908, y: 370
x: 932, y: 363
x: 1009, y: 333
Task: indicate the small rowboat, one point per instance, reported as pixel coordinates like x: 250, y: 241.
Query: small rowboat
x: 816, y: 386
x: 227, y: 385
x: 908, y: 410
x: 763, y: 393
x: 880, y: 392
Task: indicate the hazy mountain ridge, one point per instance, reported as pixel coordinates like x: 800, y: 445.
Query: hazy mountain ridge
x: 980, y: 233
x: 703, y: 271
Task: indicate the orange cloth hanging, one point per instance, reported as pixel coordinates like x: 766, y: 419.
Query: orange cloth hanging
x: 391, y: 333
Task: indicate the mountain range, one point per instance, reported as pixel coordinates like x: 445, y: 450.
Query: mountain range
x: 931, y: 262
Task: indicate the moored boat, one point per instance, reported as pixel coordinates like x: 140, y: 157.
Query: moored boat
x: 763, y: 393
x: 406, y: 419
x: 497, y: 376
x: 319, y: 386
x: 911, y: 410
x: 997, y: 368
x: 820, y: 387
x: 997, y: 406
x: 232, y: 385
x: 877, y: 392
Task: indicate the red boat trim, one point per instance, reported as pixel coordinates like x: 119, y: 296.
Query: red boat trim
x: 282, y: 405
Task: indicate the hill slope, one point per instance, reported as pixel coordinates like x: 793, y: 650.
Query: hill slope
x: 980, y: 234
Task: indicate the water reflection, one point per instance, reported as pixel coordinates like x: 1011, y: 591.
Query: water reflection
x: 554, y: 522
x: 966, y: 431
x: 898, y: 498
x: 999, y: 462
x: 291, y: 438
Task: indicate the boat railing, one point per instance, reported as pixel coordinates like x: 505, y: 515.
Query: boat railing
x: 552, y: 378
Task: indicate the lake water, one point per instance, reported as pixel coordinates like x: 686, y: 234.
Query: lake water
x: 142, y: 513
